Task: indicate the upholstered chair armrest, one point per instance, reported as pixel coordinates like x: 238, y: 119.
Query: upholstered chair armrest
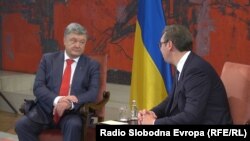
x: 26, y: 106
x: 85, y: 109
x: 88, y: 108
x: 96, y: 106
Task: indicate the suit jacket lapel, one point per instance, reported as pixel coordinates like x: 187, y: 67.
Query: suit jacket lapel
x: 175, y: 97
x: 78, y: 70
x: 58, y: 71
x: 179, y: 86
x: 170, y: 104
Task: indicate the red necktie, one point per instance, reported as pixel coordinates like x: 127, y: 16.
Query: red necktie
x: 64, y: 90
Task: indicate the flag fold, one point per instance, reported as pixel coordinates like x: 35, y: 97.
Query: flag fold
x: 151, y: 76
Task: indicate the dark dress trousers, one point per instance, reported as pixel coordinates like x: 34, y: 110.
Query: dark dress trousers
x: 199, y: 97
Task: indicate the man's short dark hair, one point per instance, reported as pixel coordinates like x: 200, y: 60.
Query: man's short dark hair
x: 180, y: 36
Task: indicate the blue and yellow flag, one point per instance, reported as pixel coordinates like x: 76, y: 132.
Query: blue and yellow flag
x: 151, y: 76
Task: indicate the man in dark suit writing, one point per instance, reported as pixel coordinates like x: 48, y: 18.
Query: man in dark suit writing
x: 198, y: 94
x: 64, y: 81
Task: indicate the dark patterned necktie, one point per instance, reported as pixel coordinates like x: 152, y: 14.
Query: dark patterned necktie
x: 175, y: 88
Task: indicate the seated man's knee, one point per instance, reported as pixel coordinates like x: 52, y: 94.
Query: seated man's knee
x: 20, y: 125
x: 74, y: 122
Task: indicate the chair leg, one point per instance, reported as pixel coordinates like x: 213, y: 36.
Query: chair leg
x: 84, y: 136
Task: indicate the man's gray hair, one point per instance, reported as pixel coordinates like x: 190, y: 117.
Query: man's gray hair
x: 75, y: 28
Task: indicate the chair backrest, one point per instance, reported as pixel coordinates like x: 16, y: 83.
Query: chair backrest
x: 102, y: 59
x: 236, y: 79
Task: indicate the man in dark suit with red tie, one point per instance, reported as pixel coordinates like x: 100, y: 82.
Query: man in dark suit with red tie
x: 64, y: 81
x: 198, y: 94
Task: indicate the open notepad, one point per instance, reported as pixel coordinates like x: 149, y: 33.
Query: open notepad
x: 113, y: 122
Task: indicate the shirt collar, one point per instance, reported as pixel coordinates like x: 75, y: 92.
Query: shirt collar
x: 182, y: 61
x: 67, y: 57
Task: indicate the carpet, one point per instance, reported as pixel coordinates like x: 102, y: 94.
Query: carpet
x: 8, y: 137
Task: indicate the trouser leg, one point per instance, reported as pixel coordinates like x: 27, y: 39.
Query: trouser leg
x: 71, y: 126
x: 28, y: 130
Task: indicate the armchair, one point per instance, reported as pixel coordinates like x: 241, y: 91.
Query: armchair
x: 88, y: 110
x: 236, y: 79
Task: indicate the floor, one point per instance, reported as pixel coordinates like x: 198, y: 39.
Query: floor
x: 8, y: 121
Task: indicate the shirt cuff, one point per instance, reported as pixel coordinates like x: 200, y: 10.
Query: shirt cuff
x: 56, y: 100
x: 154, y: 121
x: 72, y: 106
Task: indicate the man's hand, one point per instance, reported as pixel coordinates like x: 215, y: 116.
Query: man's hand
x: 70, y: 98
x: 61, y: 107
x: 64, y: 103
x: 140, y: 115
x: 146, y: 117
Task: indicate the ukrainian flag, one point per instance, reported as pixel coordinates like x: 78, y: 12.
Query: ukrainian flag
x: 151, y: 76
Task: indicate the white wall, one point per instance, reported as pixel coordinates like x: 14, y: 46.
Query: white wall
x: 119, y: 97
